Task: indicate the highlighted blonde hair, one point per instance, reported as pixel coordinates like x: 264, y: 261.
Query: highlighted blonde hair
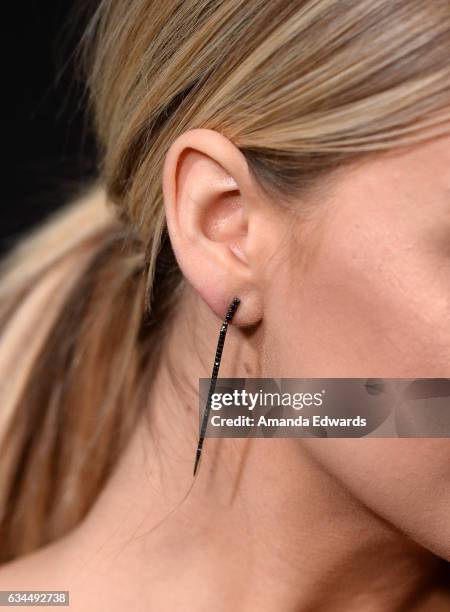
x: 301, y: 87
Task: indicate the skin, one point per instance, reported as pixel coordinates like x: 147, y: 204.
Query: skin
x: 359, y: 288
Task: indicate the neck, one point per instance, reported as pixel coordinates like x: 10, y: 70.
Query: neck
x: 261, y: 528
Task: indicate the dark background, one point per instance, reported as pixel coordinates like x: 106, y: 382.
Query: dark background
x: 48, y: 149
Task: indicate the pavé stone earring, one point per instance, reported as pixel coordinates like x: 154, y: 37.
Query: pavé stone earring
x: 215, y: 371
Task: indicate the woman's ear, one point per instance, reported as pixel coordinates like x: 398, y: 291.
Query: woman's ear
x: 212, y: 213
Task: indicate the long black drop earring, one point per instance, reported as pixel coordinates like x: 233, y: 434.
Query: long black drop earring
x: 215, y: 371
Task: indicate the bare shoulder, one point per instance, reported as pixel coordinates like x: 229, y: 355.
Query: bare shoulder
x: 45, y: 569
x: 39, y: 570
x: 36, y: 571
x: 62, y: 565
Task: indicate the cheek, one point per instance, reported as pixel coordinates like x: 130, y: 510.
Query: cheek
x: 406, y: 481
x: 370, y: 303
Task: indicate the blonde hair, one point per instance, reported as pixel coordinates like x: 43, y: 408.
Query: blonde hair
x: 300, y: 87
